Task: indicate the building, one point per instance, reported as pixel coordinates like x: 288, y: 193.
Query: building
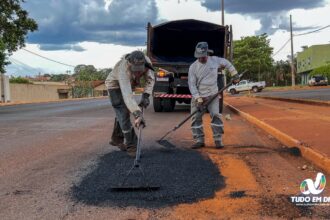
x: 101, y: 90
x: 311, y: 58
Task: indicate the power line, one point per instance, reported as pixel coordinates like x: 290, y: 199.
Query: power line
x: 296, y: 35
x: 310, y: 32
x: 281, y: 47
x: 19, y: 62
x: 14, y: 62
x: 55, y: 61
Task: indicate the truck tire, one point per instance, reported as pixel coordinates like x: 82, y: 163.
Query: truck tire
x: 157, y: 103
x: 168, y: 105
x: 233, y: 91
x: 255, y: 89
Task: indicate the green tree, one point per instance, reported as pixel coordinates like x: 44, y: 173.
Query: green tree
x: 90, y: 73
x: 103, y: 73
x: 3, y: 59
x: 59, y: 77
x: 85, y: 72
x: 83, y: 67
x: 19, y: 80
x: 281, y: 73
x: 323, y: 70
x: 14, y: 26
x: 254, y: 54
x: 84, y: 75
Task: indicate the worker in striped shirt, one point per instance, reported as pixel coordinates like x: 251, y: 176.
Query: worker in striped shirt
x: 202, y: 80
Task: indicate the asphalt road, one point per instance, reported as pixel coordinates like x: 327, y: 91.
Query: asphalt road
x: 56, y: 163
x: 313, y: 94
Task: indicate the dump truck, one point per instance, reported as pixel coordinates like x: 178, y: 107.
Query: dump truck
x: 171, y: 46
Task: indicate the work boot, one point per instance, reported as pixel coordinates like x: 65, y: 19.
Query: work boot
x: 219, y: 144
x: 198, y: 145
x: 121, y: 146
x: 131, y: 151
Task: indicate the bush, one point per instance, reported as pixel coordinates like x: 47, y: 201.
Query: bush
x: 323, y: 71
x: 19, y: 80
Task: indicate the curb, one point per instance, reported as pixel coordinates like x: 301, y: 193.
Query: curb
x: 50, y: 101
x: 306, y: 152
x: 296, y: 88
x: 301, y: 101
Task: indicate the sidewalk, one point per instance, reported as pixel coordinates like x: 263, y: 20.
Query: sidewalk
x: 304, y: 125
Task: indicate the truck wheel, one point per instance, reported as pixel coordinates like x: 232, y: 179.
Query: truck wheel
x: 255, y: 89
x: 168, y: 105
x: 157, y: 102
x: 233, y: 91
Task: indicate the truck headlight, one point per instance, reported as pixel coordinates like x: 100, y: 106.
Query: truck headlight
x: 161, y: 73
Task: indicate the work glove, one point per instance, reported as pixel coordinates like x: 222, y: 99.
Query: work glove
x: 236, y: 79
x: 139, y: 120
x: 144, y: 102
x: 200, y: 104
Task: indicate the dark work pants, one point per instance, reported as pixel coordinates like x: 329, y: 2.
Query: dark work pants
x: 221, y: 84
x: 125, y: 129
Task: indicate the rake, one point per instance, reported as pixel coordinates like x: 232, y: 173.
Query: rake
x: 136, y: 166
x: 166, y: 143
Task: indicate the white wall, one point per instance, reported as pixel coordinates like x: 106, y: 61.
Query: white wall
x: 4, y: 88
x: 34, y: 93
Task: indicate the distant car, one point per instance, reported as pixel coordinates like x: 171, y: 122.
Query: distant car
x: 318, y: 81
x: 246, y: 85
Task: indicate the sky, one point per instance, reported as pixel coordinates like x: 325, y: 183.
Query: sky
x: 99, y: 32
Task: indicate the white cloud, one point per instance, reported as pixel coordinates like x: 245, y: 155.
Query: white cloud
x: 106, y: 55
x: 171, y: 10
x: 315, y: 17
x: 99, y: 55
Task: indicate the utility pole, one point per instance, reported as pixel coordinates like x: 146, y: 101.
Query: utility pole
x: 292, y: 58
x: 2, y: 88
x: 259, y: 71
x: 223, y: 12
x: 223, y: 24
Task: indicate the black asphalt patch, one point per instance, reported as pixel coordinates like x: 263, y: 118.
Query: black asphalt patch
x: 237, y: 194
x: 166, y: 144
x: 294, y: 151
x: 184, y: 176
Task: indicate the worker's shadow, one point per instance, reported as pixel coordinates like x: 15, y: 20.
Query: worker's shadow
x: 184, y: 176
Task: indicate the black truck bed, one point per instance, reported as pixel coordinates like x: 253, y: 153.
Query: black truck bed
x: 174, y: 42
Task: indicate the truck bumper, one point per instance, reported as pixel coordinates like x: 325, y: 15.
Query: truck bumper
x: 173, y: 96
